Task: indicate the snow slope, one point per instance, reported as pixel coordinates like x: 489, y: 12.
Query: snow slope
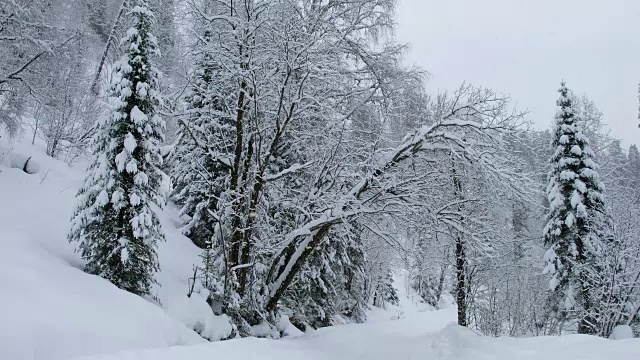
x: 49, y: 308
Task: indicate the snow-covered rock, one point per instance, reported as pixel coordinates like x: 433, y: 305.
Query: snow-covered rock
x: 621, y: 332
x: 194, y: 312
x: 16, y: 160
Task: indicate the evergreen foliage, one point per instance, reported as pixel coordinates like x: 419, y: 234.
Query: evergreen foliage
x: 574, y: 231
x: 389, y: 294
x: 199, y: 172
x: 114, y: 224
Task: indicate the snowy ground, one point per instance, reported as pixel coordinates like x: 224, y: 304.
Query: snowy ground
x: 51, y: 310
x: 427, y: 335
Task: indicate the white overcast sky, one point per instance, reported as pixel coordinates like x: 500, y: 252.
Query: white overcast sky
x: 526, y: 47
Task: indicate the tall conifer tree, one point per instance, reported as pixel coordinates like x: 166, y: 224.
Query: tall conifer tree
x: 114, y: 223
x: 574, y: 231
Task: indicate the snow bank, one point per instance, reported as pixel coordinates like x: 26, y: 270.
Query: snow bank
x: 413, y: 338
x: 49, y: 308
x: 177, y: 256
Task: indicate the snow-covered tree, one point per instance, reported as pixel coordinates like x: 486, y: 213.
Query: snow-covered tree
x: 301, y: 135
x: 198, y: 169
x: 29, y: 33
x: 576, y: 228
x: 65, y: 113
x: 620, y: 288
x: 634, y: 170
x: 330, y: 287
x: 244, y: 177
x: 114, y: 224
x: 385, y: 293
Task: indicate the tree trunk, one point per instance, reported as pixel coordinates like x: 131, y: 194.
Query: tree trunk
x: 236, y: 223
x: 461, y: 300
x: 461, y: 259
x: 438, y: 294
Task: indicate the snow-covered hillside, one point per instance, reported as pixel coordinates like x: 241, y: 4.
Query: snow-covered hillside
x: 51, y: 310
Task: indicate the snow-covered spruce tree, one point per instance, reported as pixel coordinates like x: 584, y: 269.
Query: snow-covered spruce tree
x: 198, y: 174
x: 114, y: 222
x: 330, y: 287
x: 574, y: 231
x: 201, y: 160
x: 386, y: 293
x: 30, y: 32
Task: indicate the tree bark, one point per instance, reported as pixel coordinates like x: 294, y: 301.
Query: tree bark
x: 461, y: 258
x: 461, y: 300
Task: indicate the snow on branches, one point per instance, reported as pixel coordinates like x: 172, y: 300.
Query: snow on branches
x: 114, y: 223
x: 574, y: 234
